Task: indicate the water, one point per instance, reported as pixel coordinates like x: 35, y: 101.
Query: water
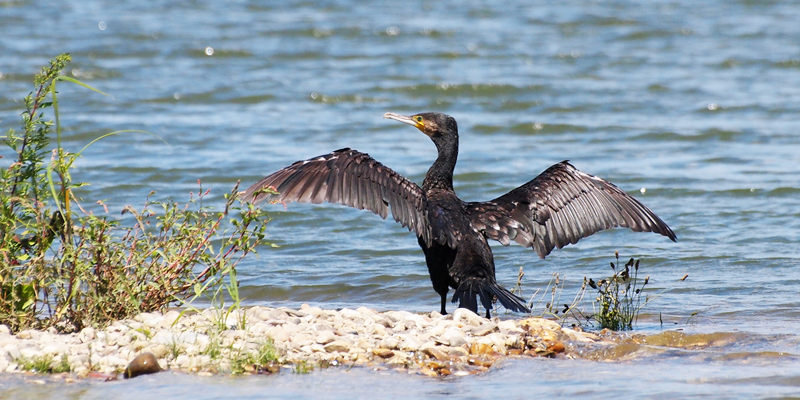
x: 695, y: 102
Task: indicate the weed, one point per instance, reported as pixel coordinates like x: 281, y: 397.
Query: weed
x: 66, y: 267
x: 551, y: 297
x: 44, y: 364
x: 264, y: 359
x: 302, y: 367
x: 620, y: 296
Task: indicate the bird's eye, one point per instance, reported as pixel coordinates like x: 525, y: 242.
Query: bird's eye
x: 418, y: 118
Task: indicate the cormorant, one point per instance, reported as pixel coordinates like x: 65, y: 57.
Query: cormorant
x: 557, y: 208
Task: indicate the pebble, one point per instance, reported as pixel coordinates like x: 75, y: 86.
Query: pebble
x: 461, y: 344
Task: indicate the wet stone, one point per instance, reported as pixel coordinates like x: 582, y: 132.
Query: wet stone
x: 143, y: 364
x: 437, y: 354
x: 383, y: 353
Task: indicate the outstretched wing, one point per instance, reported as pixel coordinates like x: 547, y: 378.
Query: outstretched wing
x: 559, y: 207
x: 351, y: 178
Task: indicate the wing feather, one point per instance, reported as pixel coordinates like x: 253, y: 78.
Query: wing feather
x: 350, y: 178
x: 559, y: 207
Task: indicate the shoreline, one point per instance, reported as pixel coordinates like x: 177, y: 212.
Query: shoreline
x: 210, y: 342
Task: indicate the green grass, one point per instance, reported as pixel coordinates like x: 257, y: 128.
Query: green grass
x: 44, y: 364
x: 264, y: 359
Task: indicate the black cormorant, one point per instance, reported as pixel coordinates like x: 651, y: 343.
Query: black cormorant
x: 557, y: 208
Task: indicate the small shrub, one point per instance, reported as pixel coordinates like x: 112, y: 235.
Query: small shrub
x: 66, y: 267
x: 619, y: 299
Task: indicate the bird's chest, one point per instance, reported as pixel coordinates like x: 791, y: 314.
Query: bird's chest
x: 450, y: 222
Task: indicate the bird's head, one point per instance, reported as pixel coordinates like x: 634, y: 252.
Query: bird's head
x: 436, y: 125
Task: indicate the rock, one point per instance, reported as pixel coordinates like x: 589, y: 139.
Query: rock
x: 364, y: 311
x: 557, y: 347
x: 383, y: 353
x: 326, y: 337
x: 390, y: 342
x: 410, y: 342
x: 455, y: 351
x: 12, y: 350
x: 30, y: 352
x: 187, y: 337
x: 296, y: 313
x: 508, y: 325
x: 270, y: 314
x: 484, y: 329
x: 428, y: 372
x: 55, y: 349
x: 481, y: 349
x: 418, y: 320
x: 4, y: 330
x: 143, y: 364
x: 338, y: 345
x: 437, y: 354
x: 164, y: 337
x: 29, y: 334
x: 278, y: 334
x: 467, y: 317
x: 183, y: 362
x: 481, y: 362
x: 454, y: 337
x: 160, y: 350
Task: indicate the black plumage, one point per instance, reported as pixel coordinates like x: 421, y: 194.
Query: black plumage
x: 557, y: 208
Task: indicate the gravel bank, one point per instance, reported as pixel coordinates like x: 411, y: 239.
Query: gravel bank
x: 462, y: 343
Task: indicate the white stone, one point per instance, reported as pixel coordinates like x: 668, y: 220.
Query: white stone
x: 183, y: 361
x: 29, y: 352
x: 377, y: 329
x: 55, y: 349
x: 398, y: 315
x: 164, y: 337
x: 390, y: 343
x: 507, y: 325
x: 467, y: 317
x: 416, y: 319
x: 4, y: 330
x: 454, y: 337
x: 484, y: 329
x: 364, y: 311
x: 9, y: 340
x: 410, y: 342
x: 29, y: 334
x: 278, y: 334
x: 326, y: 337
x: 187, y: 337
x: 350, y: 313
x: 342, y: 346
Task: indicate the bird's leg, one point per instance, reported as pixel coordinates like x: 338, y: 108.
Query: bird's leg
x: 488, y: 315
x: 444, y: 301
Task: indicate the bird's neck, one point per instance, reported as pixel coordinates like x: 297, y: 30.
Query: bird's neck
x: 440, y: 175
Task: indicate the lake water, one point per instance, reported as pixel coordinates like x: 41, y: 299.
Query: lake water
x: 696, y: 102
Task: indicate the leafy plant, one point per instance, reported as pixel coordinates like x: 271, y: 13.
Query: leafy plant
x: 66, y: 267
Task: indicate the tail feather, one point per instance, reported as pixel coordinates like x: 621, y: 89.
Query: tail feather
x: 471, y: 288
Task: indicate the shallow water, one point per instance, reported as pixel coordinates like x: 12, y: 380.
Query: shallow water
x: 696, y: 103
